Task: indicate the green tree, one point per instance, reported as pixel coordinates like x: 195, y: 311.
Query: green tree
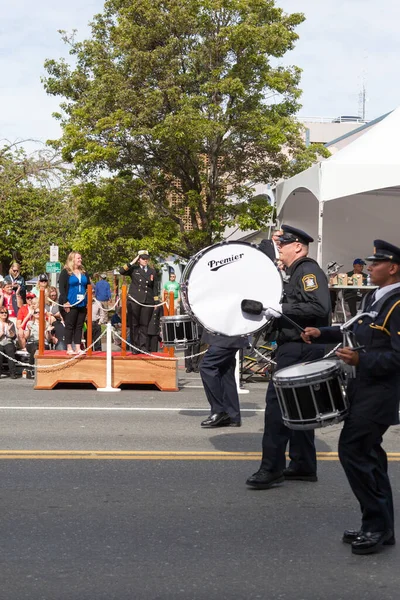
x: 188, y: 97
x: 115, y: 220
x: 36, y: 207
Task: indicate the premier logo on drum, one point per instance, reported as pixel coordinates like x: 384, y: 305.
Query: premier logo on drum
x: 218, y: 264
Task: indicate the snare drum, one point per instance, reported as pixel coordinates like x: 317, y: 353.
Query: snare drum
x: 217, y: 279
x: 178, y: 331
x: 311, y: 395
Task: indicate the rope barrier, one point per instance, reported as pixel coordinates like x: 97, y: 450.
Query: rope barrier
x: 156, y: 355
x: 62, y: 305
x: 152, y: 305
x: 79, y: 355
x: 105, y: 309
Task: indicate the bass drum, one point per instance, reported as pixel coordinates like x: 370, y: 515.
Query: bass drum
x: 217, y: 279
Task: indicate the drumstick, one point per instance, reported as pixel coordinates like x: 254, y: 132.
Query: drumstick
x: 357, y: 348
x: 296, y: 325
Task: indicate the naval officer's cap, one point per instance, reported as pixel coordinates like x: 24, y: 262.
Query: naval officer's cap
x: 385, y: 251
x: 292, y: 234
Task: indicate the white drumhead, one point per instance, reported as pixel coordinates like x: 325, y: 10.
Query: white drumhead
x: 221, y: 276
x: 306, y: 370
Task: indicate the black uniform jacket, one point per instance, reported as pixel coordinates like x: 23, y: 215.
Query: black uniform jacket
x: 306, y: 299
x: 223, y: 341
x: 267, y: 246
x: 374, y: 393
x: 142, y: 287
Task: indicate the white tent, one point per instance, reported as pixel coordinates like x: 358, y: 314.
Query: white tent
x: 350, y: 199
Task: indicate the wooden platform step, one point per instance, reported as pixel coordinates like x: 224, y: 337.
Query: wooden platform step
x: 134, y: 369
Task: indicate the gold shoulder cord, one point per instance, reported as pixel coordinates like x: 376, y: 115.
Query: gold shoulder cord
x: 383, y: 327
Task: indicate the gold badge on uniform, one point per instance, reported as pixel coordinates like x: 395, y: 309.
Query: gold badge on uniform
x: 310, y: 283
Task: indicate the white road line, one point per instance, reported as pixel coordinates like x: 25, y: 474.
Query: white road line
x: 120, y: 408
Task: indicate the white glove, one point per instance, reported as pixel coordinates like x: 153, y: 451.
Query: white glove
x: 271, y: 312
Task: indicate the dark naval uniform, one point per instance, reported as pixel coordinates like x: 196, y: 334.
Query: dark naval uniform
x: 307, y: 302
x: 374, y: 406
x: 217, y: 370
x: 154, y: 328
x: 142, y: 289
x: 268, y: 247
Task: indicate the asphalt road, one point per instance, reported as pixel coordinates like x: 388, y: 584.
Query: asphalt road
x: 123, y: 496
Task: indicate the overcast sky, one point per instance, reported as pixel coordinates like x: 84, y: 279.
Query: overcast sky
x: 340, y: 42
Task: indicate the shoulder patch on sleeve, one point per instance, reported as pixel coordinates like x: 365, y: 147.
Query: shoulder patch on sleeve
x: 310, y: 282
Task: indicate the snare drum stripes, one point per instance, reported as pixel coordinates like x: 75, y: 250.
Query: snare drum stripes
x: 179, y: 331
x: 311, y: 395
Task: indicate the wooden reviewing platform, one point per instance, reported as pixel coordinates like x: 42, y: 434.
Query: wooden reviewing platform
x: 133, y: 369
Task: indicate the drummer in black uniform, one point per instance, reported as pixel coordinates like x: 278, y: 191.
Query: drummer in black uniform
x: 374, y: 400
x: 307, y: 302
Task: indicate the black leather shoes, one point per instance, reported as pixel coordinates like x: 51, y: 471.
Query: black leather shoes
x: 369, y: 542
x: 235, y: 423
x: 290, y: 473
x: 217, y: 420
x: 350, y: 535
x: 263, y: 479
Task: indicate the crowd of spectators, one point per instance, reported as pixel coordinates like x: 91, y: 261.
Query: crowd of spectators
x: 65, y: 314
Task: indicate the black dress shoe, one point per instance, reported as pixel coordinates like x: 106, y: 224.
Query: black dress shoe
x: 235, y: 423
x: 216, y: 420
x: 263, y: 479
x: 350, y: 535
x: 290, y: 473
x: 189, y: 370
x: 369, y: 542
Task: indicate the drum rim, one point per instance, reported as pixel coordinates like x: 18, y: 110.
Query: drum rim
x: 186, y: 273
x: 294, y: 381
x: 306, y: 424
x: 173, y: 318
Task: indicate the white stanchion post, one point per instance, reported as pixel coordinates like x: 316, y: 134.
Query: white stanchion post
x: 237, y: 375
x: 109, y: 387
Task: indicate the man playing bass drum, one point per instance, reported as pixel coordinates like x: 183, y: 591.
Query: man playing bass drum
x: 307, y: 302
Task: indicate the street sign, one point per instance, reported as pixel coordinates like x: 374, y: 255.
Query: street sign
x: 53, y: 253
x: 53, y: 267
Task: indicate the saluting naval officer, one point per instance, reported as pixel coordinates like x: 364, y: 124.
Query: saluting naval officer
x: 374, y: 400
x: 306, y: 301
x: 140, y: 298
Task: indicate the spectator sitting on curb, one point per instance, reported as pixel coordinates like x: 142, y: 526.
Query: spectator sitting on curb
x: 10, y: 300
x: 7, y: 337
x: 26, y: 310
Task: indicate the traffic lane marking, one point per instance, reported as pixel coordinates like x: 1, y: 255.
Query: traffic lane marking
x: 123, y: 408
x: 151, y: 455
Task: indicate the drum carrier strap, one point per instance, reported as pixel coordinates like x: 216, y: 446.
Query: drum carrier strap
x: 378, y: 307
